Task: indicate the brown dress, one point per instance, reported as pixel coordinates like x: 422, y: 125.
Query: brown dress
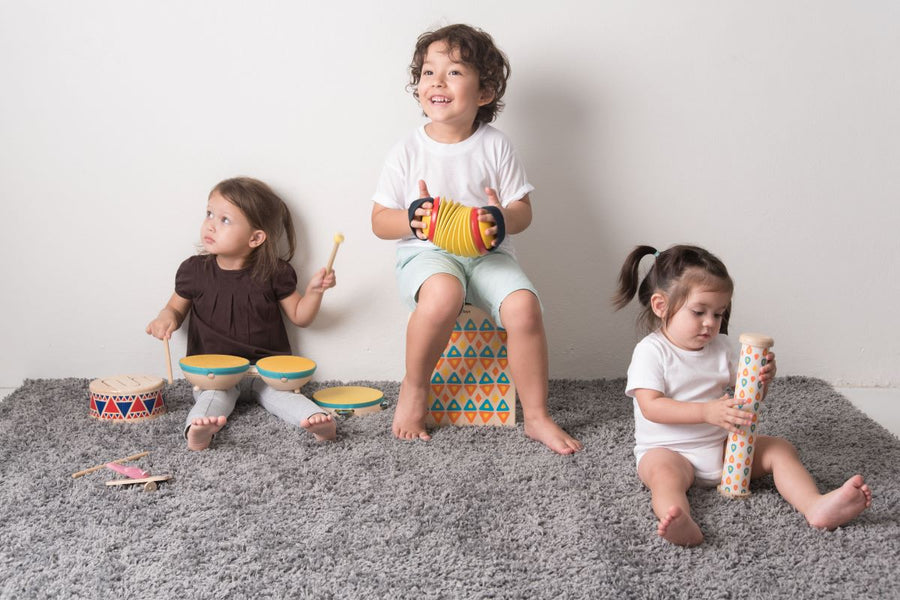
x: 232, y: 313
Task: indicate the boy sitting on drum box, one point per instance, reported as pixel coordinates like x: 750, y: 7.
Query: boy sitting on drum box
x: 459, y: 77
x: 235, y: 292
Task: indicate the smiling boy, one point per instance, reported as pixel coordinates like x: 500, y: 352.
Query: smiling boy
x: 458, y: 77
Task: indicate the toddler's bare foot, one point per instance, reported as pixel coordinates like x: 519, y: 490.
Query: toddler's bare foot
x: 409, y: 416
x: 321, y: 425
x: 679, y: 528
x: 546, y: 431
x: 201, y: 431
x: 841, y: 505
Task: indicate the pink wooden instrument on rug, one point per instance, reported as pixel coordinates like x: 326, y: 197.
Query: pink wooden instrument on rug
x: 131, y: 472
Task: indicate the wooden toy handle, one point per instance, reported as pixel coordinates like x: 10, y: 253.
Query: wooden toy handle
x: 168, y: 360
x: 338, y: 238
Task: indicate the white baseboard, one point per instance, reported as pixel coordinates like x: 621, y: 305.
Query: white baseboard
x: 880, y: 404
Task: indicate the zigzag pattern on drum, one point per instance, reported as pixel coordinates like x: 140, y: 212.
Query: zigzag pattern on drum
x: 470, y: 384
x: 125, y: 408
x: 127, y: 398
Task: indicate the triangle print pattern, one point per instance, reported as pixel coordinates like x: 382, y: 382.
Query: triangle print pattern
x: 127, y: 407
x: 471, y: 384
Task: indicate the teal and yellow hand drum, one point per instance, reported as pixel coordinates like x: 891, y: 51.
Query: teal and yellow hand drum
x: 286, y: 373
x: 345, y: 401
x: 214, y: 371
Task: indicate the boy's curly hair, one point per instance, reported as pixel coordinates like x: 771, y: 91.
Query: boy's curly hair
x: 477, y: 49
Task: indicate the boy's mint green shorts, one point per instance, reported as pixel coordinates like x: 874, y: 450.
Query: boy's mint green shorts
x: 486, y: 280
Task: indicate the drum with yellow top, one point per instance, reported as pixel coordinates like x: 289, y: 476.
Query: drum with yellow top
x: 286, y: 373
x: 214, y: 371
x: 348, y: 400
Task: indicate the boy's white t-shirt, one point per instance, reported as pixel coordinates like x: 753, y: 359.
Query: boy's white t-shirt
x: 683, y: 375
x: 458, y: 172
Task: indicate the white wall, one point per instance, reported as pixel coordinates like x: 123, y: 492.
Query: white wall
x: 768, y: 132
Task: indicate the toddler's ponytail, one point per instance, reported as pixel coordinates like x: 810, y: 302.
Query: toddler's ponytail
x: 629, y: 280
x: 675, y: 272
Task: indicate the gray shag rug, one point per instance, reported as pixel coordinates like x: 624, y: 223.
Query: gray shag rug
x: 475, y: 513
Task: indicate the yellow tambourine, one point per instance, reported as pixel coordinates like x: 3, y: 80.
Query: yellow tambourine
x: 349, y: 400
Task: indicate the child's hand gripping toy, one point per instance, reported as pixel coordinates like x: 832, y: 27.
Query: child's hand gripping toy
x: 749, y: 389
x: 456, y: 228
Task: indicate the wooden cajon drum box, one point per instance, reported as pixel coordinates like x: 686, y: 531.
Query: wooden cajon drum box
x: 471, y: 384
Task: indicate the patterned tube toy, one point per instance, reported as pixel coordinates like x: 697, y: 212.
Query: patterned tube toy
x: 748, y: 388
x: 456, y: 228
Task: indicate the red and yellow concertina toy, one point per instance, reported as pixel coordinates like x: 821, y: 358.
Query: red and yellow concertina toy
x: 456, y: 228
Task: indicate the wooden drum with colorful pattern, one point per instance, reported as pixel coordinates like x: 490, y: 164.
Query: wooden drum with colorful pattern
x: 471, y: 383
x: 127, y: 398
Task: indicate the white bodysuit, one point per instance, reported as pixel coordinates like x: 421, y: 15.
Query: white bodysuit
x: 685, y: 376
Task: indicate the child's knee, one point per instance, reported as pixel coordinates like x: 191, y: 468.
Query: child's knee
x: 441, y: 285
x: 665, y: 468
x: 774, y: 449
x: 521, y: 311
x: 440, y: 298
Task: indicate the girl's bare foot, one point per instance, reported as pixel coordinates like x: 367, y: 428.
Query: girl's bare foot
x: 201, y: 431
x: 409, y: 416
x: 679, y: 528
x: 839, y: 506
x: 321, y: 425
x: 546, y: 431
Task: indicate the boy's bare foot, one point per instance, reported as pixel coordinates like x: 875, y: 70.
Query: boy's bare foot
x: 841, y: 505
x: 546, y: 431
x: 321, y: 425
x: 201, y: 431
x: 409, y: 416
x: 679, y: 528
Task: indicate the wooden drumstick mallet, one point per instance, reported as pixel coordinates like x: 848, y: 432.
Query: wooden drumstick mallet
x: 338, y: 238
x: 168, y: 360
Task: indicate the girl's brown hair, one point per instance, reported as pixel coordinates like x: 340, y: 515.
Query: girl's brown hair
x: 264, y: 210
x: 674, y: 273
x: 476, y: 49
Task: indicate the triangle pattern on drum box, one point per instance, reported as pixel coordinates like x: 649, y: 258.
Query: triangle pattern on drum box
x: 471, y: 378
